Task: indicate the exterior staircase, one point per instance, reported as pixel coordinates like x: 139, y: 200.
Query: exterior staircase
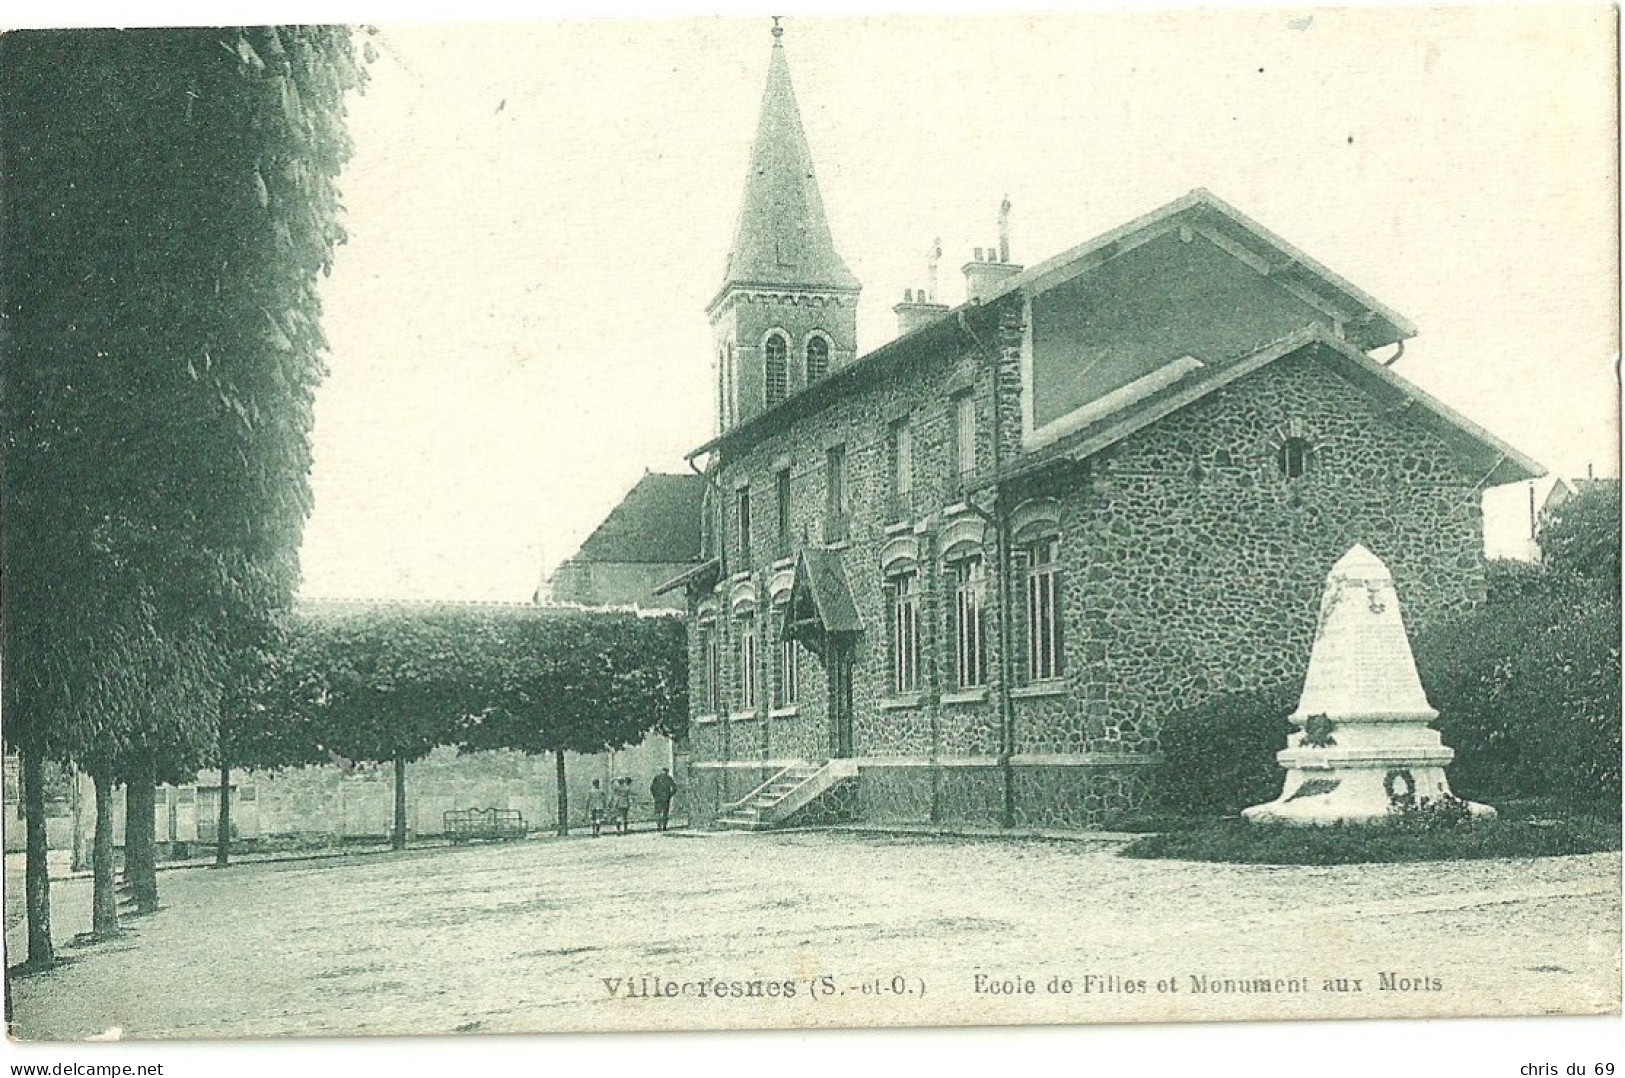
x: 775, y: 802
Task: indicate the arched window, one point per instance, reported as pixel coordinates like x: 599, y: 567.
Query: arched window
x: 1293, y: 457
x: 776, y: 357
x: 817, y: 359
x: 1035, y: 528
x: 966, y: 624
x: 902, y: 588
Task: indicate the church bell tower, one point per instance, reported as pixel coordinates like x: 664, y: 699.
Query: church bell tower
x: 786, y: 314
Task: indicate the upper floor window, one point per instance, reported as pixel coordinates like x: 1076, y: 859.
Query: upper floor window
x: 1293, y: 457
x: 742, y: 516
x: 903, y: 600
x: 817, y: 358
x: 708, y: 523
x: 967, y: 625
x: 900, y: 444
x: 776, y: 357
x: 835, y: 494
x: 964, y: 436
x: 1039, y: 564
x: 781, y: 497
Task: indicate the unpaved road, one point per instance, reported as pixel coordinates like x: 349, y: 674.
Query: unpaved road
x: 634, y: 933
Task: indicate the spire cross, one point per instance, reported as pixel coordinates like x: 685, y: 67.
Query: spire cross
x: 778, y: 31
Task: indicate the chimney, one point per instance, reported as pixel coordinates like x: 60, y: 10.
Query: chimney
x: 987, y: 272
x: 916, y: 310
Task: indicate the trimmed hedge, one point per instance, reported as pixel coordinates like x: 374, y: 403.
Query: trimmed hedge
x: 1282, y: 844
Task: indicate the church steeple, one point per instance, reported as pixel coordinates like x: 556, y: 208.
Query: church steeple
x: 787, y: 311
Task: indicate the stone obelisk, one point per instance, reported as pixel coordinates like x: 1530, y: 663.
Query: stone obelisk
x: 1362, y: 743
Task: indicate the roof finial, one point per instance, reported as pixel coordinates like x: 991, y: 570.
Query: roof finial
x: 778, y: 31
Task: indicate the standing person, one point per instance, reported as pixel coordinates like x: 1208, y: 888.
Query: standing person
x: 621, y: 803
x: 662, y: 789
x: 597, y: 800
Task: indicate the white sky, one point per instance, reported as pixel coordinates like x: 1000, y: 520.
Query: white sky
x: 539, y: 212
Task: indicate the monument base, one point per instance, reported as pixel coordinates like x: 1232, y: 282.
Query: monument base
x: 1323, y: 790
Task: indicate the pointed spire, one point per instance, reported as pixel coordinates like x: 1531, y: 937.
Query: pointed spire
x: 783, y: 237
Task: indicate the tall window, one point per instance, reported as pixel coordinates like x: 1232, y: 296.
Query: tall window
x: 743, y: 517
x: 712, y: 658
x: 787, y: 673
x: 747, y: 664
x: 967, y: 624
x: 781, y: 497
x: 835, y: 494
x: 1043, y: 623
x: 964, y: 448
x: 903, y: 594
x: 776, y: 354
x: 900, y: 442
x: 817, y: 359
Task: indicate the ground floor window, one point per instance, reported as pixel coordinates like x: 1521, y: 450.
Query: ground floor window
x: 1043, y: 620
x: 903, y: 597
x: 787, y: 673
x: 747, y: 665
x: 711, y: 674
x: 967, y: 628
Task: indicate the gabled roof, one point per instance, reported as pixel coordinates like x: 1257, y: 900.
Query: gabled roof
x: 782, y: 238
x: 1370, y: 324
x: 1244, y: 238
x: 1502, y: 463
x: 659, y: 521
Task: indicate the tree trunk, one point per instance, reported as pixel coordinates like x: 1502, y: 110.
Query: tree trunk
x: 564, y: 794
x: 104, y: 901
x: 140, y: 838
x: 222, y: 837
x: 41, y: 952
x: 398, y: 839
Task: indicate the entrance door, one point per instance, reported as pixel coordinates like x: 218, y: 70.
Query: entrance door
x: 840, y: 698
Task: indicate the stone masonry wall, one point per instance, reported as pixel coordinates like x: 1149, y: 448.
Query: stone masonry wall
x: 1191, y: 566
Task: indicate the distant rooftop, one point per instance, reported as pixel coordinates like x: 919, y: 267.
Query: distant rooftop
x: 657, y: 522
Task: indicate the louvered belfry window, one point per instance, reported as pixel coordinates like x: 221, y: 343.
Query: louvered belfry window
x: 817, y: 359
x: 776, y: 352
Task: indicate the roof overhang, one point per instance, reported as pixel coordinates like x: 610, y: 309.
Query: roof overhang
x: 703, y: 575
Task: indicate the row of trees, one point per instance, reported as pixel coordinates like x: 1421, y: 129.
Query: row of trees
x: 169, y: 204
x: 388, y: 685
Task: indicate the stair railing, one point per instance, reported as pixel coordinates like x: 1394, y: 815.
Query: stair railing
x: 748, y: 798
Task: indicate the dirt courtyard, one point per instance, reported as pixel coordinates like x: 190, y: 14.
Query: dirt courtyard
x: 724, y: 930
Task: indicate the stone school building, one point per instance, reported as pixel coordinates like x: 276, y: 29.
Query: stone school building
x: 965, y: 577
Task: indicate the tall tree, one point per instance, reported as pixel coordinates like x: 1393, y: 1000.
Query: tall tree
x: 168, y: 203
